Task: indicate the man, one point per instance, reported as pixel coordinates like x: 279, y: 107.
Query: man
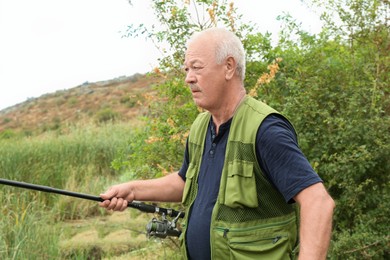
x: 242, y: 170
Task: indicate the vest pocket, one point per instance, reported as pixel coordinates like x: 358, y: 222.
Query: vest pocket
x: 241, y: 185
x: 190, y: 175
x: 269, y: 246
x: 266, y: 239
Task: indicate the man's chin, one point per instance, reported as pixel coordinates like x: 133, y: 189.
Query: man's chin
x: 197, y: 101
x: 195, y: 97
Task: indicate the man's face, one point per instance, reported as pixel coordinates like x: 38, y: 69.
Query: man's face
x: 205, y: 77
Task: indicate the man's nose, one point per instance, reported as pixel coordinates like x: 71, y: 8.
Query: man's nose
x: 190, y: 78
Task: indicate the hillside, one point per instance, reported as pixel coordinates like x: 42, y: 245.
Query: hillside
x: 116, y: 99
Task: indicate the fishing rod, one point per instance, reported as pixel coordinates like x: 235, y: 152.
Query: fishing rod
x: 158, y: 228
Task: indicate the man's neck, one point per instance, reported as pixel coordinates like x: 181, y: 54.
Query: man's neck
x: 228, y: 111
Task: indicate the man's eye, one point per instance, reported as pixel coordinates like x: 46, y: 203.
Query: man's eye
x: 194, y: 68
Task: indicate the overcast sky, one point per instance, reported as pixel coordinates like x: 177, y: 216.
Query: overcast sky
x: 49, y: 45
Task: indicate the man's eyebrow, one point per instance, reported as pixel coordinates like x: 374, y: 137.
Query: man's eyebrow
x: 191, y: 62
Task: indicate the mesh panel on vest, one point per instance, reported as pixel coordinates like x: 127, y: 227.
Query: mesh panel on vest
x: 271, y: 202
x: 240, y: 151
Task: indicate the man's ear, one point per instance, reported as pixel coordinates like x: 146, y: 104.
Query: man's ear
x: 231, y: 66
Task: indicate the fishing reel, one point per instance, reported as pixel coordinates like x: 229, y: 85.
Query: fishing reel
x: 163, y: 228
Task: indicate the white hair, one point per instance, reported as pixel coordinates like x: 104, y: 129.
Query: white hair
x: 226, y: 44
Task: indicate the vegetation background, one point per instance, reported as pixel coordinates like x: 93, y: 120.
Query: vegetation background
x: 332, y: 85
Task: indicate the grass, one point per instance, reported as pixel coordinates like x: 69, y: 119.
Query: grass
x: 37, y: 225
x: 26, y: 231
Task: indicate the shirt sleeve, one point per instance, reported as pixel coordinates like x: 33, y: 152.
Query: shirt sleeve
x: 281, y: 159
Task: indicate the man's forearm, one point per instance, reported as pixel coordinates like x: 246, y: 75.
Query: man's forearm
x: 316, y: 212
x: 165, y: 189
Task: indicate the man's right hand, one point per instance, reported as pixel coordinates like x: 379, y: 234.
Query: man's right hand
x: 117, y: 197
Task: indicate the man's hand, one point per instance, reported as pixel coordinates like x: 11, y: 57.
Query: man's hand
x: 117, y: 197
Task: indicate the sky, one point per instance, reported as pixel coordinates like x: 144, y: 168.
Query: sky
x: 51, y: 45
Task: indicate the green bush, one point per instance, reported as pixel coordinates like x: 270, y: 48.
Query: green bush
x: 106, y: 115
x: 7, y: 134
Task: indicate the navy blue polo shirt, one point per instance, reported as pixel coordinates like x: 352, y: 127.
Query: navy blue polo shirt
x: 280, y: 159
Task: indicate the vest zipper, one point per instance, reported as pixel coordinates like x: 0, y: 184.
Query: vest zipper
x: 276, y: 239
x: 225, y: 231
x: 272, y: 240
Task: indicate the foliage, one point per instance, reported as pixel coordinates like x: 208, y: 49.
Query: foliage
x: 106, y: 115
x: 333, y: 86
x: 26, y: 231
x: 78, y: 161
x: 7, y: 134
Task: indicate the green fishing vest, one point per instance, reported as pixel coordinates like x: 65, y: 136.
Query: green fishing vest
x: 250, y: 219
